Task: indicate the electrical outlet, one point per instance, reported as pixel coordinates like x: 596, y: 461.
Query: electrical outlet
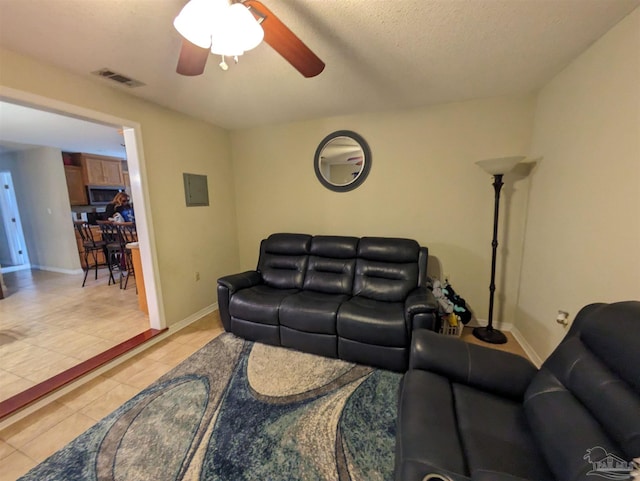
x: 563, y: 318
x: 197, y: 276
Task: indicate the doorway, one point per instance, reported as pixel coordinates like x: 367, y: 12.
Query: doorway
x: 130, y: 135
x: 13, y: 248
x: 130, y: 131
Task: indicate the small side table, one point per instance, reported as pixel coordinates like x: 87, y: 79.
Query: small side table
x: 137, y: 269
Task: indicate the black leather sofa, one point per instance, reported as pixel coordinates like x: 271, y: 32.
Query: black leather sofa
x: 469, y: 412
x: 356, y: 299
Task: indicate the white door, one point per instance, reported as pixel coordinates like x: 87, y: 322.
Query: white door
x: 13, y: 249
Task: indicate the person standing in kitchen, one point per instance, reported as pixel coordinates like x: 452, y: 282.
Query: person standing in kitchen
x: 120, y: 204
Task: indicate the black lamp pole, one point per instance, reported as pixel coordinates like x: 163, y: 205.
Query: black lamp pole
x: 488, y: 333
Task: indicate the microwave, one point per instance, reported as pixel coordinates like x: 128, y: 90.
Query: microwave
x: 102, y: 194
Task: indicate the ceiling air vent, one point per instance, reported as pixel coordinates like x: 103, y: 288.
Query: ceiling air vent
x: 117, y: 77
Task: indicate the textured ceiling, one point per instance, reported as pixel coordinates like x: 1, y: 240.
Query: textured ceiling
x: 380, y: 54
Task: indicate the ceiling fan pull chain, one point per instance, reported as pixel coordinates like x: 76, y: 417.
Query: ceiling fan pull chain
x: 223, y: 64
x: 235, y: 58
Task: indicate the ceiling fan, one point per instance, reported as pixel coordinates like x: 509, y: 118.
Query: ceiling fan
x: 209, y: 26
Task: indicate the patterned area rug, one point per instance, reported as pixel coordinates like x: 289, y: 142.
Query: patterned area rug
x: 237, y: 410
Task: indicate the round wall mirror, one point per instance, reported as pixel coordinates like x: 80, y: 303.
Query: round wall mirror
x: 342, y: 161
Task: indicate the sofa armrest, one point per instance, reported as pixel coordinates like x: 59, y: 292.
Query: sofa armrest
x: 227, y: 286
x: 420, y: 309
x: 487, y: 369
x: 235, y: 282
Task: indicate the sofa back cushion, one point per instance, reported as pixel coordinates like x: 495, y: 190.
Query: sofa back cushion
x: 283, y: 260
x: 583, y: 405
x: 386, y: 268
x: 331, y: 264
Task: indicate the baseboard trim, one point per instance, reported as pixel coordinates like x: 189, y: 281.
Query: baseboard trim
x: 509, y: 327
x: 193, y: 317
x: 21, y: 267
x: 59, y: 270
x: 503, y: 326
x: 533, y: 355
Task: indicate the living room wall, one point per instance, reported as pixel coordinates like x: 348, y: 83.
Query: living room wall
x: 423, y: 185
x: 187, y: 240
x: 582, y: 242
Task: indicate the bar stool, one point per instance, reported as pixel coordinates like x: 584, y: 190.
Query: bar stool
x: 127, y: 233
x: 91, y: 246
x: 111, y: 238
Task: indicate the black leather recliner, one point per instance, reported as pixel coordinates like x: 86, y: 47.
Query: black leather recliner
x: 356, y: 299
x: 469, y: 412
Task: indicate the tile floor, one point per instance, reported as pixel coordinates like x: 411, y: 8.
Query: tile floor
x: 511, y: 346
x: 31, y: 440
x: 49, y: 323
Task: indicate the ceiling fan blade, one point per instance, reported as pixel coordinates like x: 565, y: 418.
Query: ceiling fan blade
x: 192, y: 59
x: 285, y: 42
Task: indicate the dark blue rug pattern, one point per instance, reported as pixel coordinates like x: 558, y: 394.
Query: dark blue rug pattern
x: 238, y: 410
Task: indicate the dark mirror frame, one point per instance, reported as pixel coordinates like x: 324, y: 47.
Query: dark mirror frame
x: 366, y: 167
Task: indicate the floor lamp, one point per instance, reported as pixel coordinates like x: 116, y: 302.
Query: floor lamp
x: 496, y: 167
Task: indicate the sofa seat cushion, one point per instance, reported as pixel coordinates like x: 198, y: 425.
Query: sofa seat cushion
x: 373, y: 322
x: 311, y: 311
x: 495, y: 435
x: 320, y: 344
x: 452, y: 428
x: 259, y: 304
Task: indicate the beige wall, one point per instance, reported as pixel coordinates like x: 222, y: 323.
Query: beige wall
x: 43, y: 201
x: 583, y: 229
x: 423, y: 184
x: 187, y: 239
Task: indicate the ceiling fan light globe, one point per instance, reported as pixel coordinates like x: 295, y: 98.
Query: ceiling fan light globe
x: 192, y: 33
x: 235, y: 32
x: 195, y: 20
x: 245, y: 29
x: 225, y: 42
x: 221, y: 46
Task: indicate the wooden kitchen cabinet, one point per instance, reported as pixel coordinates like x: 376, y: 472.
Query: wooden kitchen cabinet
x: 100, y: 170
x: 75, y: 185
x: 112, y: 172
